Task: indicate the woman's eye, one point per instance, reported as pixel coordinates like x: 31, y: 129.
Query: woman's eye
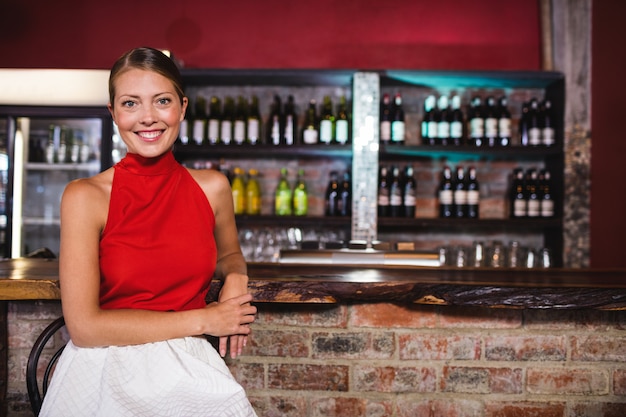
x: 164, y: 101
x: 128, y: 103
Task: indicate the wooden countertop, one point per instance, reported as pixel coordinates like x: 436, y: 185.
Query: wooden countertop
x: 37, y: 279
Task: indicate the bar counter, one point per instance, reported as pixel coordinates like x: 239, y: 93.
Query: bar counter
x: 37, y: 279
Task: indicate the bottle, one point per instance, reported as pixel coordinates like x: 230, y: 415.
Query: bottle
x: 547, y: 123
x: 327, y: 122
x: 275, y: 122
x: 460, y: 193
x: 445, y: 193
x: 534, y: 128
x: 253, y: 125
x: 532, y: 195
x: 409, y: 192
x: 283, y: 197
x: 342, y: 124
x: 62, y: 149
x: 443, y: 124
x: 383, y: 192
x: 473, y: 194
x: 198, y: 132
x: 50, y: 151
x: 546, y: 205
x: 310, y: 132
x: 523, y: 125
x: 238, y: 189
x: 457, y: 121
x: 504, y: 122
x: 290, y: 122
x: 226, y: 124
x: 517, y: 196
x: 240, y: 122
x: 183, y: 132
x: 73, y: 147
x: 253, y: 193
x: 491, y: 122
x: 395, y: 194
x: 332, y: 195
x: 215, y: 119
x: 345, y: 196
x: 300, y: 196
x: 429, y: 105
x: 476, y: 122
x: 397, y: 121
x: 385, y: 119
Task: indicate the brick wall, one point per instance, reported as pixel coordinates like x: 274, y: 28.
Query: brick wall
x: 388, y: 360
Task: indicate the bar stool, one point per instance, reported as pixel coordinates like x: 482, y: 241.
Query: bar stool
x: 34, y: 394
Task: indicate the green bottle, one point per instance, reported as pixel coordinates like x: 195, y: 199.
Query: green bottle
x: 300, y: 196
x: 239, y: 192
x: 282, y: 205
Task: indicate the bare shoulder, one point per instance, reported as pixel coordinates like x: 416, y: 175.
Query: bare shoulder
x: 211, y: 181
x: 89, y: 191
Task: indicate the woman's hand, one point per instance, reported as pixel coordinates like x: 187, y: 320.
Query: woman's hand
x: 230, y: 318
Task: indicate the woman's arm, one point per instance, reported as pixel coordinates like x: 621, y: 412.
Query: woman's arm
x: 84, y: 207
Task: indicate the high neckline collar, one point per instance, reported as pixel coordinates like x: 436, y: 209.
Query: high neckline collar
x: 137, y: 164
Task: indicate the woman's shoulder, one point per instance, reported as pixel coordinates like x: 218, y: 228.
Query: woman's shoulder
x: 96, y: 186
x: 210, y: 179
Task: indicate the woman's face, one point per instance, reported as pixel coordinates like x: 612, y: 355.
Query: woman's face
x: 147, y: 112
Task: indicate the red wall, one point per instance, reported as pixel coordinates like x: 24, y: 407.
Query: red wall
x: 608, y: 177
x: 411, y: 34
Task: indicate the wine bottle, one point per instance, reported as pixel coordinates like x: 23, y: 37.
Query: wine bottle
x: 517, y: 198
x: 310, y: 131
x: 429, y: 104
x: 433, y: 120
x: 332, y: 195
x: 198, y: 133
x: 300, y: 196
x: 290, y: 122
x: 385, y: 119
x: 456, y: 121
x: 342, y: 124
x: 327, y: 122
x: 532, y: 196
x: 239, y: 192
x: 445, y: 193
x: 275, y: 122
x: 253, y: 193
x: 253, y: 127
x: 491, y: 122
x: 547, y: 123
x: 183, y: 132
x: 504, y: 122
x: 283, y: 196
x: 395, y: 194
x: 534, y: 128
x: 62, y: 148
x: 523, y: 125
x: 546, y: 206
x: 345, y: 195
x: 397, y: 121
x: 240, y: 121
x: 383, y: 192
x: 473, y: 194
x: 215, y: 119
x: 476, y: 122
x: 443, y: 124
x: 460, y: 193
x: 409, y: 192
x: 226, y: 125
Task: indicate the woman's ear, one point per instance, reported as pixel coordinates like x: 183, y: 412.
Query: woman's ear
x: 184, y: 108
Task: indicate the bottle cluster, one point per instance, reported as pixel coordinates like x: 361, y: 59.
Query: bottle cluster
x: 246, y: 192
x: 392, y: 127
x: 459, y: 194
x: 531, y: 194
x: 229, y: 121
x: 288, y: 200
x: 64, y: 145
x: 396, y: 192
x: 338, y: 197
x: 537, y: 123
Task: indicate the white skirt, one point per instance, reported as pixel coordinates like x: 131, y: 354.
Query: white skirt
x: 176, y: 378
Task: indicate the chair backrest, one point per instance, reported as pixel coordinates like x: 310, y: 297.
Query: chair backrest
x: 34, y: 394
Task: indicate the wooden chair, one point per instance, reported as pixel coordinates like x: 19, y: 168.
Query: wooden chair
x: 34, y: 394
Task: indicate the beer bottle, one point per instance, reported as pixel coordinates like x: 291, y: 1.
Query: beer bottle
x: 253, y: 194
x: 239, y: 192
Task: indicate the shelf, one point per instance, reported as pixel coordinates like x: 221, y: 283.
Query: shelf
x: 471, y: 79
x: 482, y: 224
x: 467, y: 152
x: 93, y: 166
x: 290, y: 221
x: 40, y: 221
x: 262, y: 151
x: 267, y: 77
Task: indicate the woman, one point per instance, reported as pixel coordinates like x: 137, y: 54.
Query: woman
x: 140, y: 243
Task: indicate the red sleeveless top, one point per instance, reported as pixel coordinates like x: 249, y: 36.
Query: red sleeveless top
x: 157, y: 250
